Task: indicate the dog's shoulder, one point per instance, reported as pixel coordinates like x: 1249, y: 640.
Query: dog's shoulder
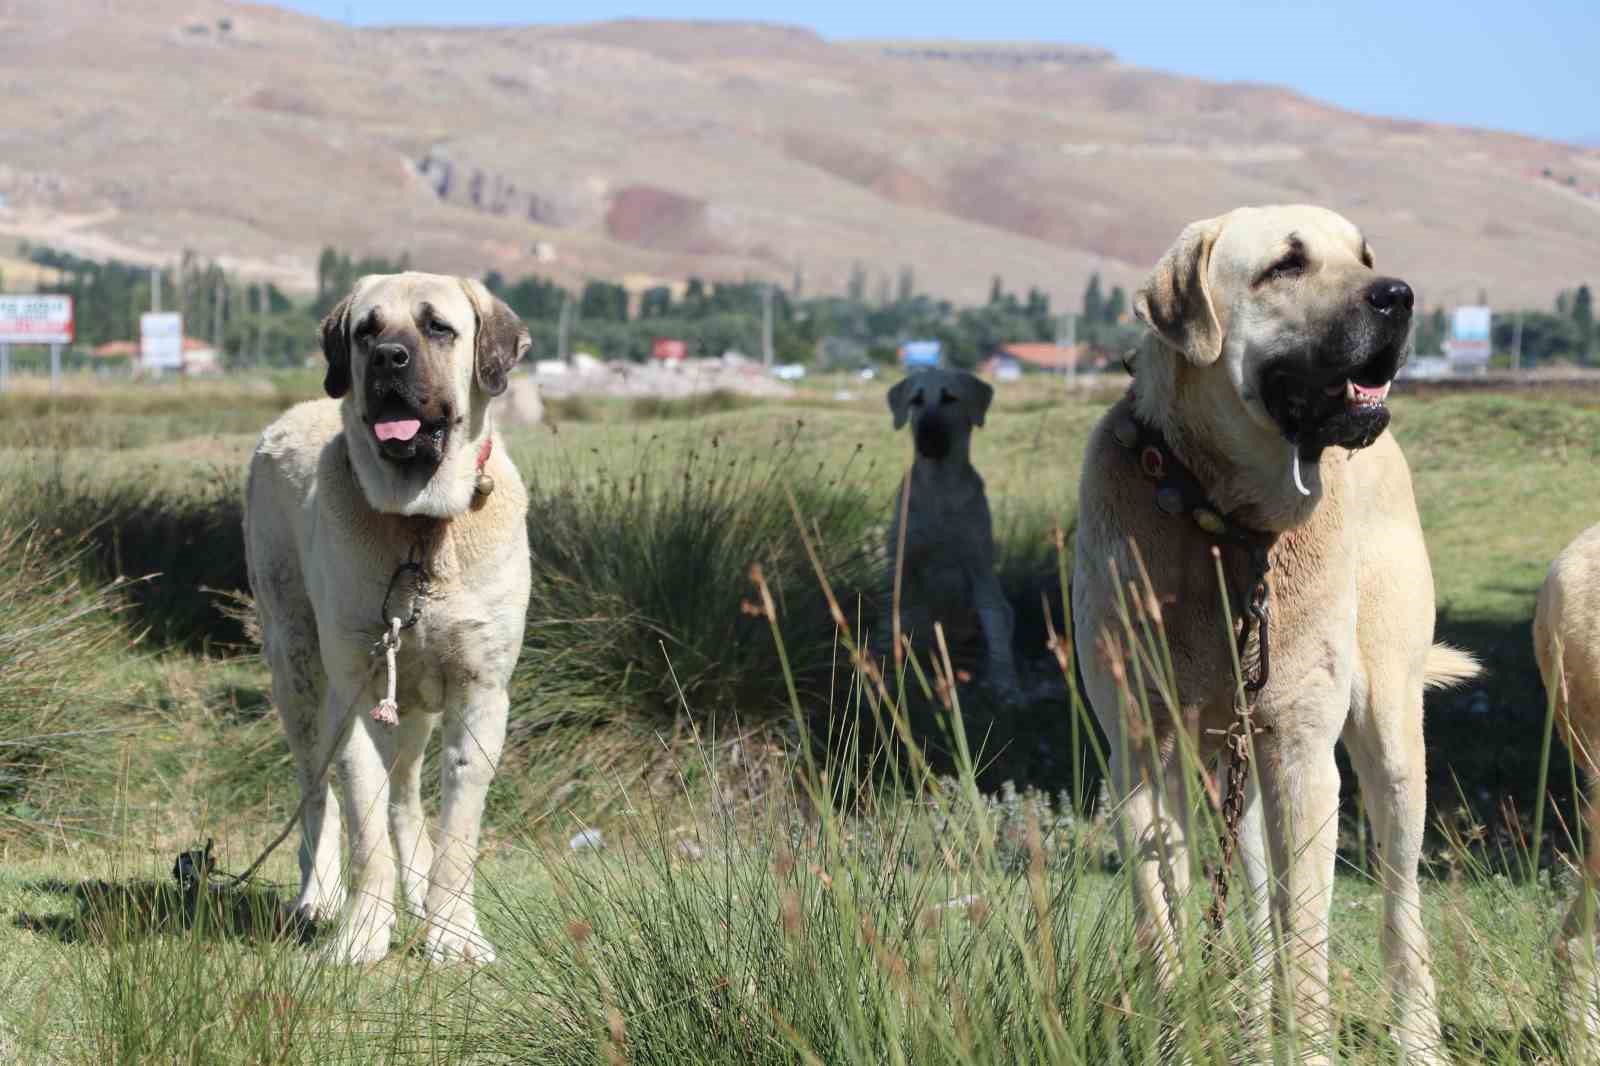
x: 293, y: 442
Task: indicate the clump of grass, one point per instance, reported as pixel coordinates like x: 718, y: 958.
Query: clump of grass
x: 138, y: 415
x: 695, y: 405
x: 179, y: 543
x: 56, y: 632
x: 636, y: 596
x: 574, y: 408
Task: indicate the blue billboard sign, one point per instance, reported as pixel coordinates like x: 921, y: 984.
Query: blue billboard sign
x: 920, y: 354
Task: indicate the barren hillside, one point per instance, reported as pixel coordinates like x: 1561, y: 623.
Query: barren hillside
x: 658, y: 150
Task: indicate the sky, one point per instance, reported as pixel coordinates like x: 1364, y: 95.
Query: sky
x: 1533, y: 67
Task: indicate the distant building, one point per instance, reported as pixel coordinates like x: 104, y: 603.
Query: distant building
x: 668, y: 350
x: 1001, y: 367
x: 1426, y: 367
x: 1048, y: 357
x: 199, y: 357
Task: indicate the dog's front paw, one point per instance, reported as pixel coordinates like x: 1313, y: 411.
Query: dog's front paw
x: 450, y: 945
x: 318, y: 907
x: 359, y: 943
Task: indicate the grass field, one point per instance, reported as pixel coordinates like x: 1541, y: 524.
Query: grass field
x: 928, y: 911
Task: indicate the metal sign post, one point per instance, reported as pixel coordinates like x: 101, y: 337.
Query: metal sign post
x: 5, y: 364
x: 55, y: 368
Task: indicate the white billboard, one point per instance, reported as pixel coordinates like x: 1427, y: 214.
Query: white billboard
x: 161, y: 340
x: 1468, y: 343
x: 26, y: 318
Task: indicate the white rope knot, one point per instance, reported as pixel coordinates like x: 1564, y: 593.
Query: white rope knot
x: 387, y: 712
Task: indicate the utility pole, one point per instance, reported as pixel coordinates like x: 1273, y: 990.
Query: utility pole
x: 261, y: 322
x: 563, y: 327
x: 155, y: 308
x: 217, y: 295
x: 766, y: 325
x: 1067, y: 337
x: 1516, y: 344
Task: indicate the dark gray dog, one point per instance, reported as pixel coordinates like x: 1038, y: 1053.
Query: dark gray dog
x: 948, y: 565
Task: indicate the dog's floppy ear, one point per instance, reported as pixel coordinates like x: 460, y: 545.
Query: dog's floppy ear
x: 336, y: 346
x: 975, y: 395
x: 500, y: 340
x: 1175, y: 300
x: 900, y: 401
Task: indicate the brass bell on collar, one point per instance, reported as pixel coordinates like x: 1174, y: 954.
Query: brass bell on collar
x: 1209, y: 520
x: 484, y: 485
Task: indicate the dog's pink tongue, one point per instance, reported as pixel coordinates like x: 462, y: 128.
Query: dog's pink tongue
x: 397, y: 429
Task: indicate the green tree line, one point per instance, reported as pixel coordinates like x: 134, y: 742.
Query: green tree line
x: 256, y: 324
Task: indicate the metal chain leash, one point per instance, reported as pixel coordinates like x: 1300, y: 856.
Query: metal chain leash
x: 1236, y: 741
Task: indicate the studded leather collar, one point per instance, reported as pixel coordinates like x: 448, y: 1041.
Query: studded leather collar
x: 1178, y: 491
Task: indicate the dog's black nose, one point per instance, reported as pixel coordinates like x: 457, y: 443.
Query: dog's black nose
x: 1386, y: 294
x: 395, y: 356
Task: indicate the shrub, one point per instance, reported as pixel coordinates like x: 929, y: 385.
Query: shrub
x: 55, y: 632
x: 639, y: 572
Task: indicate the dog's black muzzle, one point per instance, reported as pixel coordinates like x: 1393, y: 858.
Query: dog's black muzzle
x: 1333, y: 396
x: 932, y: 437
x: 393, y: 394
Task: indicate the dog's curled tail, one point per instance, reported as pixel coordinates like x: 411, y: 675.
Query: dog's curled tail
x: 1448, y: 666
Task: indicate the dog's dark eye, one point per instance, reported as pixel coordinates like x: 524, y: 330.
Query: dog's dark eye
x: 1290, y: 266
x: 945, y: 397
x: 916, y: 401
x: 440, y: 329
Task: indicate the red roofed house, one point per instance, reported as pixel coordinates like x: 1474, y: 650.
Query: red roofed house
x: 1043, y: 356
x: 199, y: 357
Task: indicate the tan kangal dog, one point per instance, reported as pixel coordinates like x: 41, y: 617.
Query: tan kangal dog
x: 392, y: 504
x: 1566, y: 640
x: 1257, y: 418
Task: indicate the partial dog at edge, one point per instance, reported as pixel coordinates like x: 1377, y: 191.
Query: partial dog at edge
x: 1272, y: 342
x: 341, y: 492
x: 1566, y: 641
x: 948, y: 563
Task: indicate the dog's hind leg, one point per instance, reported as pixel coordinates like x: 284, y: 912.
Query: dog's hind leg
x: 322, y: 885
x: 299, y: 686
